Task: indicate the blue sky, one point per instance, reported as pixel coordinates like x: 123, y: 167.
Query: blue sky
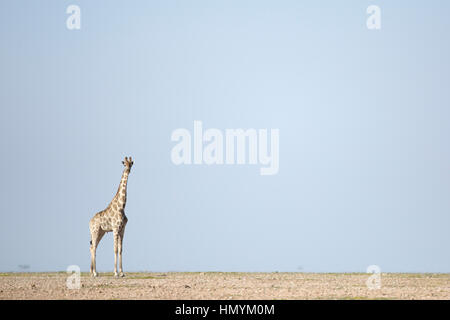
x: 363, y: 115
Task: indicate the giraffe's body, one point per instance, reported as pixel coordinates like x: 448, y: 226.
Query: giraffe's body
x: 113, y: 219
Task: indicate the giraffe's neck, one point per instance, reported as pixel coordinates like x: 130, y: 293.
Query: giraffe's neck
x: 121, y: 196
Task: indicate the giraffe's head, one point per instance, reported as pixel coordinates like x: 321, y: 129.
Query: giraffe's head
x: 128, y: 163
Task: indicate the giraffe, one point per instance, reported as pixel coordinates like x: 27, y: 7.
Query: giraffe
x: 113, y: 219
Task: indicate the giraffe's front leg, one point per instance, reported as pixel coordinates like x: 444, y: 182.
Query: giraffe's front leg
x: 93, y: 271
x: 121, y: 274
x: 116, y: 245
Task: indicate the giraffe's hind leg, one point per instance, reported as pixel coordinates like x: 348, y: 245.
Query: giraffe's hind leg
x: 96, y: 235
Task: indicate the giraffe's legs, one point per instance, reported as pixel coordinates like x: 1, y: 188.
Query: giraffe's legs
x: 116, y: 248
x: 121, y: 234
x: 96, y: 236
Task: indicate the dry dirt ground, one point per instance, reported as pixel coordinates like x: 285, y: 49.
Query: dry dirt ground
x: 225, y: 285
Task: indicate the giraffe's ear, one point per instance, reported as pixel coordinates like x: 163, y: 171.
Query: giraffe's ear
x: 123, y: 162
